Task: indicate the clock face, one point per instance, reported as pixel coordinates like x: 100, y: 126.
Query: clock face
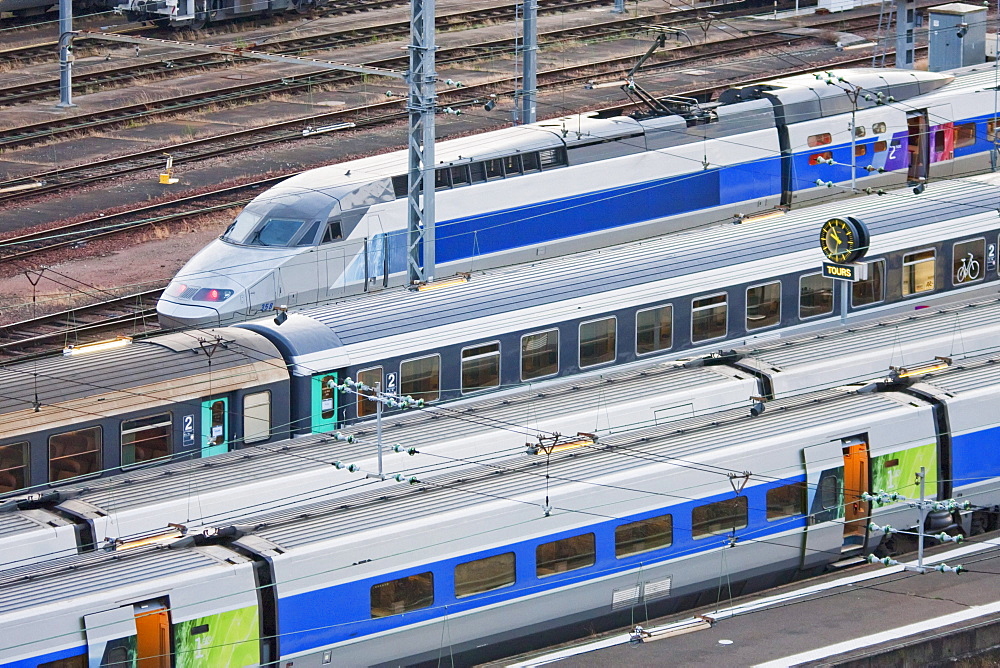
x: 843, y: 240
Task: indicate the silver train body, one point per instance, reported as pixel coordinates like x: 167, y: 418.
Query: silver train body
x: 200, y: 13
x: 585, y: 181
x: 460, y: 563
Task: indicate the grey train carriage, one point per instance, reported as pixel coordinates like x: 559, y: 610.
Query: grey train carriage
x: 568, y: 184
x: 467, y: 563
x: 96, y: 410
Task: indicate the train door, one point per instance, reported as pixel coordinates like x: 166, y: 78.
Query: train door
x: 325, y: 402
x: 376, y: 256
x: 214, y: 426
x: 152, y: 625
x: 111, y: 638
x: 824, y: 476
x: 918, y: 150
x: 856, y: 483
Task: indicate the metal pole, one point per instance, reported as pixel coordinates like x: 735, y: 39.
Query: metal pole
x: 920, y: 529
x: 378, y: 424
x: 854, y: 142
x: 65, y: 54
x: 530, y: 79
x: 843, y: 300
x: 420, y: 179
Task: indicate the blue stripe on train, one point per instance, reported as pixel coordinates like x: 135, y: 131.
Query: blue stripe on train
x: 562, y: 218
x: 974, y: 457
x: 340, y: 613
x: 47, y: 658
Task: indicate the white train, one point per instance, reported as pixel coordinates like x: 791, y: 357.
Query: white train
x: 587, y: 181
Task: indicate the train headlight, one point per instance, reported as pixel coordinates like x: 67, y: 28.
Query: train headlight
x: 212, y: 295
x: 176, y: 289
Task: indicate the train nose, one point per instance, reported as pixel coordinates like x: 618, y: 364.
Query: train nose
x: 186, y: 305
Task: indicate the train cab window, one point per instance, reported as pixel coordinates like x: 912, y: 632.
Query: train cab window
x: 372, y: 378
x: 276, y: 232
x: 965, y: 135
x: 13, y: 467
x: 539, y: 354
x: 967, y: 261
x: 308, y: 238
x: 654, y: 330
x: 494, y: 169
x: 512, y: 165
x: 421, y: 378
x: 257, y: 417
x: 442, y: 180
x: 78, y: 661
x: 477, y: 170
x: 709, y: 318
x: 564, y: 555
x: 146, y: 439
x: 879, y: 128
x: 872, y: 289
x: 483, y: 575
x: 398, y: 596
x: 460, y: 176
x: 815, y: 295
x: 821, y: 139
x: 820, y: 158
x: 481, y: 367
x: 644, y: 535
x: 328, y: 403
x: 918, y: 272
x: 880, y: 146
x: 530, y: 162
x: 720, y: 517
x: 597, y: 342
x: 75, y: 453
x: 764, y: 305
x: 786, y: 501
x: 333, y: 232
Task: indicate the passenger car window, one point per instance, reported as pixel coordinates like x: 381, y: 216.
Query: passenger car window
x: 764, y: 305
x: 597, y: 342
x: 75, y: 453
x: 482, y: 575
x: 564, y: 555
x: 421, y: 378
x: 709, y: 317
x: 918, y: 272
x: 644, y: 535
x: 13, y: 467
x: 539, y: 354
x: 146, y: 438
x: 720, y: 517
x: 398, y: 596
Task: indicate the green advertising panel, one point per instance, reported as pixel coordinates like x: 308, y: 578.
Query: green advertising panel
x: 897, y: 471
x: 325, y: 403
x: 226, y: 640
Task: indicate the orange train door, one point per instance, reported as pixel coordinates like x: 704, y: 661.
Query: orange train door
x: 856, y: 482
x: 152, y: 625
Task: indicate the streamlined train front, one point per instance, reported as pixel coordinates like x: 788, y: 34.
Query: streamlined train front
x: 237, y: 276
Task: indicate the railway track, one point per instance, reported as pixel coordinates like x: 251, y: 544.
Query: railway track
x: 48, y: 50
x: 389, y: 110
x: 133, y: 314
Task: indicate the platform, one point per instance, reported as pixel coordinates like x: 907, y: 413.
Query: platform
x: 865, y: 615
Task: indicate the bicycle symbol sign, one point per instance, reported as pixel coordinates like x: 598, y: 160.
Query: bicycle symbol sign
x: 968, y: 270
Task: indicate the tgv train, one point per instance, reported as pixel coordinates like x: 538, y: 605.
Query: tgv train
x: 688, y: 293
x: 465, y: 564
x: 140, y: 505
x: 587, y: 181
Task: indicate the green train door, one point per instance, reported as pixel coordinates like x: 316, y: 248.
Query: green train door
x: 324, y: 402
x: 214, y: 427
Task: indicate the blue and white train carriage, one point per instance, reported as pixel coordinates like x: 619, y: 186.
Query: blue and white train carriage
x: 458, y: 564
x: 587, y: 181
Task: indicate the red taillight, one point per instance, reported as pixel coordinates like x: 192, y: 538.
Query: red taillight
x: 176, y: 289
x: 212, y: 295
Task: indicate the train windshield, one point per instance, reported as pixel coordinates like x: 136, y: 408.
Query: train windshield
x: 283, y: 220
